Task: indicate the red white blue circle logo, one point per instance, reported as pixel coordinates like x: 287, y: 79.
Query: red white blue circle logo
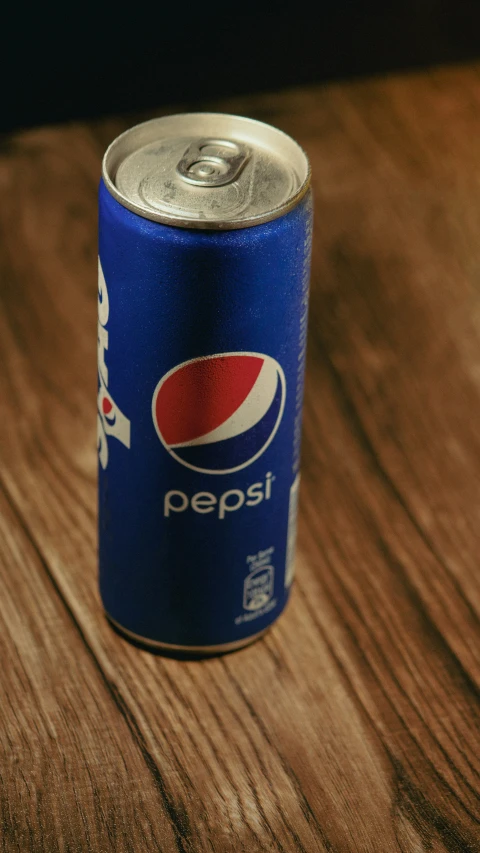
x: 218, y: 413
x: 108, y: 410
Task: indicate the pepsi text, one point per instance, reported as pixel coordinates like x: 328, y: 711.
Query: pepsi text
x: 110, y: 420
x: 176, y: 501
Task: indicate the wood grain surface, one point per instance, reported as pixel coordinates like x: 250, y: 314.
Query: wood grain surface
x: 354, y: 725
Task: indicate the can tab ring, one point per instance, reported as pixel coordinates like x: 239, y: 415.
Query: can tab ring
x: 212, y: 162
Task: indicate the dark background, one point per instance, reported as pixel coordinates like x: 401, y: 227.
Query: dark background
x: 88, y: 62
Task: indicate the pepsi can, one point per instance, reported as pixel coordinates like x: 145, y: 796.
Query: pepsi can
x: 204, y: 262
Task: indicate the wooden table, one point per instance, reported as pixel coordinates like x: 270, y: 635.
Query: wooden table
x: 354, y: 725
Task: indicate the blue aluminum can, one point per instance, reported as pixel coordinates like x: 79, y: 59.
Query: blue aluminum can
x: 205, y: 239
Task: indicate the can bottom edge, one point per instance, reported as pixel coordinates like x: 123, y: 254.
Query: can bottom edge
x: 173, y: 650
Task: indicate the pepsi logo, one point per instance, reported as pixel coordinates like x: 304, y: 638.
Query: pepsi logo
x: 218, y: 413
x: 108, y: 410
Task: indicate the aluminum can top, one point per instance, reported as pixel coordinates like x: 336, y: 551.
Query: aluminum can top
x: 206, y: 170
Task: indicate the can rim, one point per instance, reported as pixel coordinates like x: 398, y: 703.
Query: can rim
x: 111, y: 162
x: 172, y: 648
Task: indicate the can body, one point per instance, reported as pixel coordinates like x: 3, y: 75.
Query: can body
x: 201, y: 348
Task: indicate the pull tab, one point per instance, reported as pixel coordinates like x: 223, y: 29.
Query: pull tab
x: 212, y: 162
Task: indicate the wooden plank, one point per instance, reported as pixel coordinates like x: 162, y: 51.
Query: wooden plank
x: 72, y: 777
x: 354, y: 725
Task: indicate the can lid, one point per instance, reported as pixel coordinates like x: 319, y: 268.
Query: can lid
x: 206, y: 170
